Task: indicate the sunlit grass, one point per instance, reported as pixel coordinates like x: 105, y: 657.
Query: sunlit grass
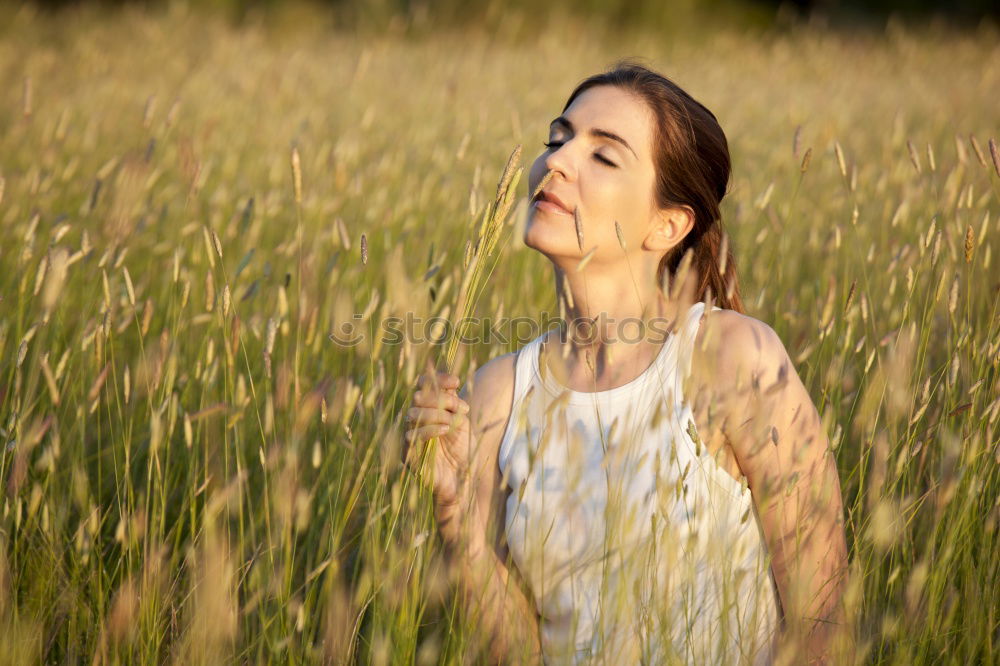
x: 195, y: 472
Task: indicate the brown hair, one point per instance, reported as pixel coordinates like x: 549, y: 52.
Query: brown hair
x: 691, y: 158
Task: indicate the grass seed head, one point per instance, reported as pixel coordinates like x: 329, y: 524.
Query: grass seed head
x: 272, y: 329
x: 953, y: 296
x: 148, y: 110
x: 128, y: 286
x: 209, y: 292
x: 56, y: 278
x: 209, y: 250
x: 43, y: 267
x: 805, y: 160
x: 579, y: 227
x: 914, y: 157
x: 681, y: 274
x: 297, y: 175
x: 850, y: 296
x: 841, y: 162
x: 566, y: 291
x: 217, y: 243
x: 541, y: 185
x: 27, y: 97
x: 345, y: 238
x: 977, y: 150
x: 586, y: 259
x: 508, y: 171
x: 960, y: 150
x: 106, y: 289
x: 468, y: 254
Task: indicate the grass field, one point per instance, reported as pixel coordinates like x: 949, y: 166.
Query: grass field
x: 195, y: 473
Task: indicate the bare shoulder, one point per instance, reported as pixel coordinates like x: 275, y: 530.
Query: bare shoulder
x: 741, y: 364
x: 735, y: 348
x: 490, y: 395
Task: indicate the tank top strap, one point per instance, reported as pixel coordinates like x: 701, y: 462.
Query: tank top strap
x: 685, y: 343
x: 523, y: 367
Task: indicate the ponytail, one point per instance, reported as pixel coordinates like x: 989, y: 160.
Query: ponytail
x: 715, y: 266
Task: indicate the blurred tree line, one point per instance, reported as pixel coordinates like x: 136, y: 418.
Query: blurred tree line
x: 958, y: 10
x: 667, y: 15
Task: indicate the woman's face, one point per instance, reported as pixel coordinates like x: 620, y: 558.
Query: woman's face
x: 600, y: 154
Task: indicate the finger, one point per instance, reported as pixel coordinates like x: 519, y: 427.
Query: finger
x: 430, y: 397
x: 449, y: 401
x: 448, y: 381
x: 423, y: 433
x: 420, y: 416
x: 441, y: 378
x: 426, y: 397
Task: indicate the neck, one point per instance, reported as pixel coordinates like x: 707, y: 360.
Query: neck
x: 613, y: 328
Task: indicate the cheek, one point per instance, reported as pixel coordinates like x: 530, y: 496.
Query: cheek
x: 614, y: 199
x: 624, y: 201
x: 625, y: 205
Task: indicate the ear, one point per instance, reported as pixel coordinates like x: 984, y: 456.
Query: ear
x: 669, y: 227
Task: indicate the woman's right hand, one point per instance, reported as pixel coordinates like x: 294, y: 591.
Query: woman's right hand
x: 437, y: 411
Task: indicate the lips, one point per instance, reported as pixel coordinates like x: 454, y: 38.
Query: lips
x: 553, y: 200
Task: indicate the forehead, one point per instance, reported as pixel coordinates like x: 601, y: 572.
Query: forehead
x: 614, y: 109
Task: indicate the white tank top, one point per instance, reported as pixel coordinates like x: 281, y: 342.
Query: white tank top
x: 625, y: 564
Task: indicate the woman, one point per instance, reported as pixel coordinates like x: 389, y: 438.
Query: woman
x: 664, y: 497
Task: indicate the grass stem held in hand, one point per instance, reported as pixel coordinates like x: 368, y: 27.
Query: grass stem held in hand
x: 483, y: 256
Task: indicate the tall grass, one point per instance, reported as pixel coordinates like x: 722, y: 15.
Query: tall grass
x: 194, y: 472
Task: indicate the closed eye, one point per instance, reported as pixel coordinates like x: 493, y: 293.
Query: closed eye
x: 597, y: 156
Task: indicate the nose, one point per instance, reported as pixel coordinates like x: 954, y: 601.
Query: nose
x: 560, y: 161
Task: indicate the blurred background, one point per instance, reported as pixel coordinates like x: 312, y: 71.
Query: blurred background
x: 194, y: 196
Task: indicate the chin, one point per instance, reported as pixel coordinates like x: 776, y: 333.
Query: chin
x: 552, y: 241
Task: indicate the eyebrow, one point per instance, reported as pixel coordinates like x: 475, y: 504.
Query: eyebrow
x: 564, y: 121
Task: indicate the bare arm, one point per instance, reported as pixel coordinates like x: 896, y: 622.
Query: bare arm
x: 506, y: 619
x: 473, y: 534
x: 778, y: 439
